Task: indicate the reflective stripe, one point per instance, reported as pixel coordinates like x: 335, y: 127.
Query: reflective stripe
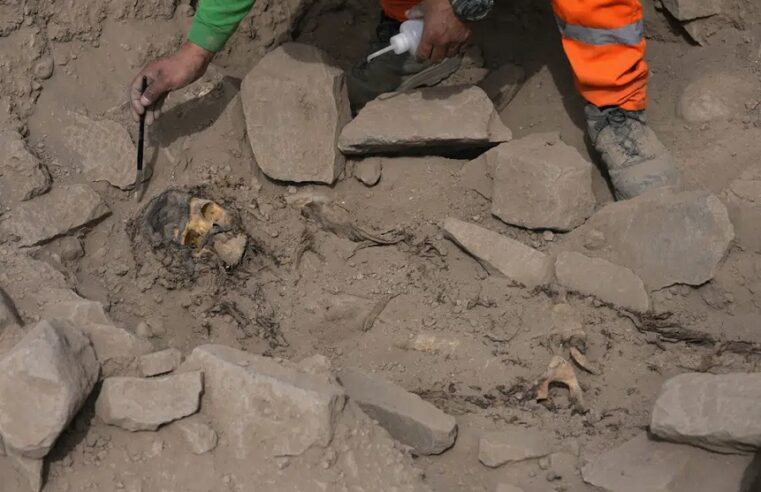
x: 629, y: 35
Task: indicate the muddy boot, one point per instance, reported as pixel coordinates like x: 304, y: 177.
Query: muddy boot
x: 636, y: 160
x: 391, y: 72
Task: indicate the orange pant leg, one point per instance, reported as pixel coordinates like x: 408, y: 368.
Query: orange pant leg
x: 605, y: 45
x: 396, y: 8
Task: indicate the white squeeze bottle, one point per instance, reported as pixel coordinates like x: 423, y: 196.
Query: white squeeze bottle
x: 406, y: 41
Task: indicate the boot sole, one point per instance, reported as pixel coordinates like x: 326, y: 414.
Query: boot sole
x: 431, y: 75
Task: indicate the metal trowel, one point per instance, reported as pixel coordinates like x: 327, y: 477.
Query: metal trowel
x: 140, y: 176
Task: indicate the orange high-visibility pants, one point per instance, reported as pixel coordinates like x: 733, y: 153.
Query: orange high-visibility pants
x: 605, y: 45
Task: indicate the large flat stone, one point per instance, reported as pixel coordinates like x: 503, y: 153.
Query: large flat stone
x: 137, y: 404
x: 103, y: 148
x: 295, y: 103
x: 666, y: 238
x: 717, y: 412
x: 685, y: 10
x: 500, y: 254
x: 406, y: 416
x: 610, y: 283
x: 44, y: 380
x: 56, y: 213
x: 541, y: 183
x: 512, y: 444
x: 259, y: 403
x: 642, y: 465
x: 22, y: 176
x: 115, y: 347
x: 439, y: 119
x: 743, y: 200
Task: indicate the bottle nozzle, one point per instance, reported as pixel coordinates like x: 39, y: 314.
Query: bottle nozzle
x: 380, y: 52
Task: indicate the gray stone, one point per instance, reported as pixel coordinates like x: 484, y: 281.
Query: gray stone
x: 437, y: 119
x: 199, y: 435
x: 511, y: 445
x: 541, y: 183
x: 368, y: 171
x: 743, y: 200
x: 666, y: 238
x: 160, y: 362
x: 685, y: 10
x: 500, y: 254
x: 503, y: 84
x: 44, y: 380
x: 30, y: 469
x: 58, y: 212
x: 610, y: 283
x: 103, y: 148
x: 716, y: 96
x: 137, y: 404
x: 407, y: 417
x: 259, y: 403
x: 8, y: 314
x: 43, y: 68
x: 717, y: 412
x: 478, y: 175
x: 642, y: 465
x: 115, y: 347
x: 295, y: 103
x: 22, y: 176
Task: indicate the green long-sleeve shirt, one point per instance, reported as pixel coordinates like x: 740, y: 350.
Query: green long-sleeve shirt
x: 216, y: 20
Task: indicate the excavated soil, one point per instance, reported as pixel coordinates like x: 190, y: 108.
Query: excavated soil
x: 406, y: 303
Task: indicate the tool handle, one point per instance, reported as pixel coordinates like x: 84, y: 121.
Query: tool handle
x: 141, y: 130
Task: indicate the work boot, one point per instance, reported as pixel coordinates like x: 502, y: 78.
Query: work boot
x: 636, y: 160
x: 391, y: 72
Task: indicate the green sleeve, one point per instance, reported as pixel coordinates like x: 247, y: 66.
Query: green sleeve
x: 216, y: 20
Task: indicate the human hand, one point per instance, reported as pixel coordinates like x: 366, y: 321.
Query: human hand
x: 166, y: 74
x: 444, y: 34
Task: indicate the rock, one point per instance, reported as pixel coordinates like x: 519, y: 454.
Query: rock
x: 715, y: 96
x: 478, y: 175
x: 70, y: 248
x: 500, y: 254
x: 159, y: 363
x: 43, y: 69
x: 685, y: 10
x: 295, y: 95
x: 666, y: 238
x: 503, y: 84
x: 23, y: 177
x: 407, y: 417
x: 260, y: 403
x: 115, y: 347
x: 743, y: 200
x: 103, y: 148
x: 368, y: 171
x: 8, y: 314
x: 201, y: 438
x: 438, y: 119
x: 506, y: 487
x: 642, y: 465
x: 31, y: 469
x: 58, y: 212
x: 718, y: 412
x: 541, y: 183
x: 511, y: 445
x: 44, y: 380
x: 137, y: 404
x: 230, y: 247
x: 610, y: 283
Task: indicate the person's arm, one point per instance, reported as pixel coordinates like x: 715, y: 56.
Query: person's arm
x: 216, y: 20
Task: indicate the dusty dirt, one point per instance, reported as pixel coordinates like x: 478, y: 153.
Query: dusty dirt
x: 470, y: 343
